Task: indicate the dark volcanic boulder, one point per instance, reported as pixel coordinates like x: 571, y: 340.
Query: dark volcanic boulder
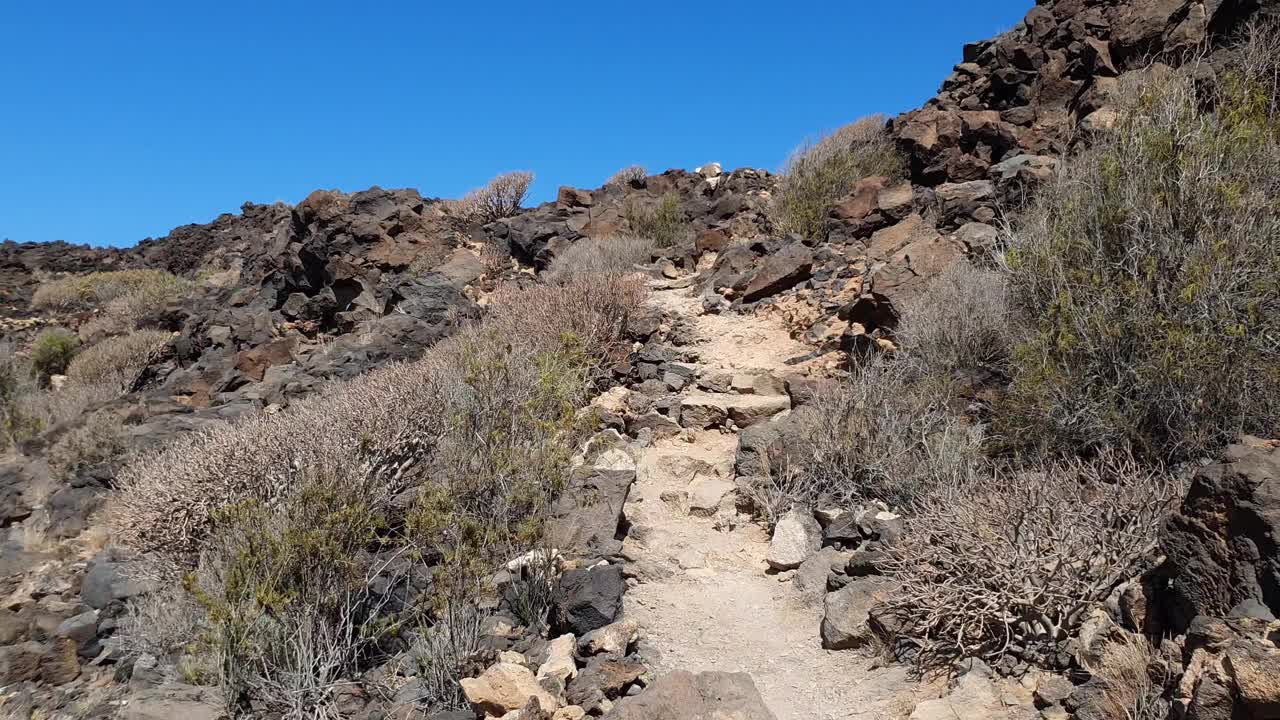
x: 588, y: 598
x: 1221, y: 546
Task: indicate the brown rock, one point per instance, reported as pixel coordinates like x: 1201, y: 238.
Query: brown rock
x: 681, y: 695
x: 1254, y: 668
x: 506, y: 687
x: 569, y: 198
x: 255, y: 361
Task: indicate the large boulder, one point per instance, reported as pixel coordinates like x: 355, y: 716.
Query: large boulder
x: 847, y: 611
x: 681, y: 695
x: 586, y: 518
x: 1221, y: 545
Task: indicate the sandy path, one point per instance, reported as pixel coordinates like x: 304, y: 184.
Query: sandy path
x: 702, y: 595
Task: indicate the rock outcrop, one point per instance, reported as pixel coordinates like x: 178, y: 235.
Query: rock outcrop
x: 1221, y: 546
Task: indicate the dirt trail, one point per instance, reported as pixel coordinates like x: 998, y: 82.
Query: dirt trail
x: 703, y: 597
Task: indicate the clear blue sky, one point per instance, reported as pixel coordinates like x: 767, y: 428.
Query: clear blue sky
x: 120, y: 120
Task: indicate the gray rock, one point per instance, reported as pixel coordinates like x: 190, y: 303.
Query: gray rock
x: 847, y: 610
x: 681, y: 695
x: 586, y: 517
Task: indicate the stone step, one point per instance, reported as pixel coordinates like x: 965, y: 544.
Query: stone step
x: 703, y: 410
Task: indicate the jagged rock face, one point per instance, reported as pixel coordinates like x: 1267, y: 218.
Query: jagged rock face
x: 1024, y: 92
x: 1222, y: 543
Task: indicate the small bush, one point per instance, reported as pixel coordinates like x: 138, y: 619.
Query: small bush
x: 117, y: 362
x: 16, y: 423
x: 960, y: 322
x: 447, y: 652
x: 1148, y: 273
x: 500, y: 198
x: 101, y: 438
x: 879, y: 436
x: 604, y: 256
x: 137, y: 290
x: 663, y: 223
x: 818, y: 174
x: 628, y: 175
x: 1018, y: 560
x: 52, y: 352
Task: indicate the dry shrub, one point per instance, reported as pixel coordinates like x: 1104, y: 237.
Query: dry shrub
x: 136, y: 289
x: 289, y: 519
x: 1148, y: 272
x: 52, y: 352
x: 101, y: 438
x: 663, y: 222
x: 500, y: 198
x: 1018, y: 560
x: 819, y: 173
x: 16, y: 425
x: 601, y: 256
x: 878, y: 436
x: 446, y: 653
x: 960, y: 322
x: 628, y: 176
x: 117, y: 362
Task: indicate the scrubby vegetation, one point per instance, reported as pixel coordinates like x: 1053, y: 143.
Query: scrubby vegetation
x: 819, y: 173
x: 501, y: 197
x: 100, y: 438
x: 878, y: 435
x: 592, y: 256
x: 664, y: 222
x: 1149, y: 275
x: 132, y: 291
x: 116, y: 362
x: 421, y: 476
x: 52, y: 353
x: 1016, y: 560
x: 628, y: 175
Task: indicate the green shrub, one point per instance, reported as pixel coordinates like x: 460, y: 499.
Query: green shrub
x: 138, y: 290
x: 1148, y: 272
x: 663, y: 223
x: 818, y: 174
x: 279, y: 521
x: 52, y: 352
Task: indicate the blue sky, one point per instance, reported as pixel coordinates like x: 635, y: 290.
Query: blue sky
x: 120, y: 120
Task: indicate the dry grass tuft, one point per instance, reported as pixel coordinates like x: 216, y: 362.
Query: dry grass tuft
x: 819, y: 173
x: 628, y: 175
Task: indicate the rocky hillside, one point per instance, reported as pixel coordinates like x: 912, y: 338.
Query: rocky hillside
x: 747, y: 324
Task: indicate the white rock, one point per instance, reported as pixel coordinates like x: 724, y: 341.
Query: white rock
x: 559, y: 665
x: 796, y: 537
